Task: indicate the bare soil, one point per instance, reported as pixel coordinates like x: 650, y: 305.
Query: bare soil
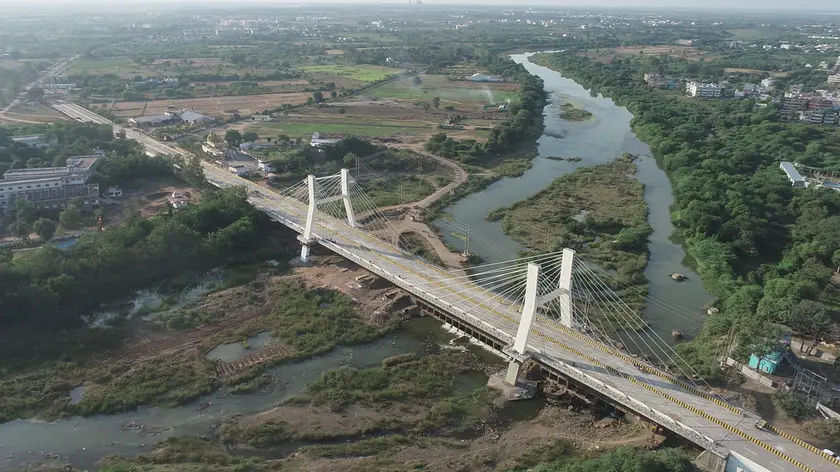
x: 148, y: 197
x: 688, y: 53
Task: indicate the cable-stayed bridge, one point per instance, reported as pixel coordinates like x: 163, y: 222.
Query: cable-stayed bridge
x: 552, y: 308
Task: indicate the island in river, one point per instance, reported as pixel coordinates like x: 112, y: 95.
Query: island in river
x: 598, y: 211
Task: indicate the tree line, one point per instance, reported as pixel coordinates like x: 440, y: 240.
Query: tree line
x: 765, y: 249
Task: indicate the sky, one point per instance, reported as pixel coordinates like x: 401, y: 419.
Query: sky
x: 819, y: 5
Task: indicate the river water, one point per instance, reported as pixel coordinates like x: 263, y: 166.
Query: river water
x: 672, y: 305
x: 83, y: 441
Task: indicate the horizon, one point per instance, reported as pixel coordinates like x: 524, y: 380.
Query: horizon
x: 711, y: 6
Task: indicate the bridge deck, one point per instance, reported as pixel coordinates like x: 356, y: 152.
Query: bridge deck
x: 703, y: 420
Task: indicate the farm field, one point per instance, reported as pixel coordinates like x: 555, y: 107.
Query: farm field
x: 127, y: 68
x: 372, y: 118
x: 242, y: 104
x: 460, y: 94
x: 31, y: 114
x: 688, y: 53
x: 349, y: 76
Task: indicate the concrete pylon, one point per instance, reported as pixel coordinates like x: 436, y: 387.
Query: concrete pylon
x: 310, y: 219
x: 306, y: 238
x: 532, y: 302
x: 345, y: 195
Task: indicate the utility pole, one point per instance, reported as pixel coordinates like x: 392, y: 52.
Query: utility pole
x: 467, y: 232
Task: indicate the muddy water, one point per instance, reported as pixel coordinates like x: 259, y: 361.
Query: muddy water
x: 83, y: 441
x: 602, y: 138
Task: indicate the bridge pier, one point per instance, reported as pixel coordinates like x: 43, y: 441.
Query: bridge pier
x: 533, y: 301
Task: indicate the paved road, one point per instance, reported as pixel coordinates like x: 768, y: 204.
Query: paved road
x: 54, y: 69
x: 703, y: 420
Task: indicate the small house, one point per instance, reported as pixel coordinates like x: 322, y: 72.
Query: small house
x: 113, y: 192
x: 239, y: 170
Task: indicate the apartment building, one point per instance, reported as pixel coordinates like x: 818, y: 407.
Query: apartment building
x: 697, y: 89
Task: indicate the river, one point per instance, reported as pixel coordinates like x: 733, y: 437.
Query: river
x: 672, y: 305
x: 83, y: 441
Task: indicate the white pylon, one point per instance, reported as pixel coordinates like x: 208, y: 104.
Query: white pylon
x: 306, y: 238
x: 532, y: 302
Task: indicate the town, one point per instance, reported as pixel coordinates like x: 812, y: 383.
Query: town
x: 419, y: 237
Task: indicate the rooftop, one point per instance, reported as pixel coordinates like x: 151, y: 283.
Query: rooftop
x: 791, y: 172
x: 76, y: 165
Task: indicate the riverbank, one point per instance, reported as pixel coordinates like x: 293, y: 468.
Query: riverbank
x: 163, y: 362
x: 426, y: 410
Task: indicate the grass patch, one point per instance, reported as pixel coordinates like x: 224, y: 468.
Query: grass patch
x: 409, y: 189
x: 365, y: 447
x: 440, y: 86
x: 571, y: 113
x: 364, y: 73
x: 186, y: 454
x: 316, y: 321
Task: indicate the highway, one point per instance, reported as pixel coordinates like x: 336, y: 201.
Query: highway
x: 700, y: 418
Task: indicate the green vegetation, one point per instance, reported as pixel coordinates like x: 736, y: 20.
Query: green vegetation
x: 569, y: 112
x: 186, y: 454
x: 402, y: 383
x: 316, y: 321
x: 363, y: 73
x: 598, y: 211
x: 624, y: 460
x: 417, y: 244
x: 349, y: 127
x: 760, y: 245
x: 442, y: 88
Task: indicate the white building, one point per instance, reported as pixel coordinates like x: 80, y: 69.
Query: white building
x: 485, y: 78
x: 266, y: 166
x: 318, y: 142
x: 834, y: 79
x: 51, y: 187
x: 696, y: 89
x: 260, y: 117
x: 793, y: 175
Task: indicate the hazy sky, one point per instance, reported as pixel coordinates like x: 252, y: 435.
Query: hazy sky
x: 823, y: 5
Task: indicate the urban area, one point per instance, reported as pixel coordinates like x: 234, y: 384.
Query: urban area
x: 392, y: 237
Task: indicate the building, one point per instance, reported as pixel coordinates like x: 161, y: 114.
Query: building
x: 260, y: 117
x: 793, y: 175
x: 113, y: 192
x: 768, y: 363
x: 265, y: 166
x: 51, y: 187
x: 319, y: 142
x: 214, y: 145
x: 239, y: 170
x: 768, y: 82
x: 485, y: 78
x: 34, y: 140
x: 834, y: 79
x: 178, y: 200
x: 793, y: 104
x: 822, y: 116
x: 697, y: 89
x: 170, y: 118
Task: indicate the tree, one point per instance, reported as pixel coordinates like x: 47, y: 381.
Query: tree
x: 416, y: 80
x: 318, y: 96
x: 44, y: 228
x: 25, y: 211
x: 333, y: 94
x: 427, y: 106
x: 310, y: 101
x: 835, y: 259
x: 436, y: 103
x: 342, y: 111
x: 233, y: 137
x: 70, y: 217
x: 249, y: 137
x: 811, y: 319
x: 20, y: 228
x: 350, y: 159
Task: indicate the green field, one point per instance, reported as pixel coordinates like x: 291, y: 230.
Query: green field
x: 123, y: 67
x: 306, y: 129
x: 362, y: 73
x: 440, y: 86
